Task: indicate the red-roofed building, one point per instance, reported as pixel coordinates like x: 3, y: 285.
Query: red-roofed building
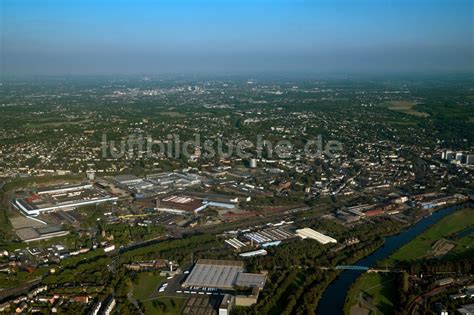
x: 180, y: 204
x: 374, y: 212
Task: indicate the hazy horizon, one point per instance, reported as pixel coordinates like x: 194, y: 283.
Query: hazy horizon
x: 133, y: 37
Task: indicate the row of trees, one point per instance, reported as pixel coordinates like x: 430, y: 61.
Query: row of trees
x: 296, y: 282
x: 460, y: 266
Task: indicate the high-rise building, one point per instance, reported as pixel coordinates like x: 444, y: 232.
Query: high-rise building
x: 470, y: 159
x: 90, y: 175
x: 253, y: 163
x: 449, y: 155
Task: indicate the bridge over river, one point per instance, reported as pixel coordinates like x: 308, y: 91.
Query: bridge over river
x: 361, y: 268
x: 333, y: 298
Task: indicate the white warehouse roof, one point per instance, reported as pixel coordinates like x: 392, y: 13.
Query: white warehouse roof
x: 310, y: 233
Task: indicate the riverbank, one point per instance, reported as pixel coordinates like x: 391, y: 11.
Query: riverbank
x: 422, y: 247
x: 377, y: 291
x: 334, y: 297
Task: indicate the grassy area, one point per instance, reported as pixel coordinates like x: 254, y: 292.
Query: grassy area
x: 378, y: 286
x: 165, y: 305
x: 422, y: 244
x: 172, y: 114
x: 146, y: 285
x: 5, y: 227
x: 406, y: 107
x: 464, y: 247
x: 53, y: 124
x: 18, y: 183
x: 195, y: 241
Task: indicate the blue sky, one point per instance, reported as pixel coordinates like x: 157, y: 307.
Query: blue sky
x: 206, y: 36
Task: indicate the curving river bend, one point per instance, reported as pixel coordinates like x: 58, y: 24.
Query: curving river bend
x: 333, y: 298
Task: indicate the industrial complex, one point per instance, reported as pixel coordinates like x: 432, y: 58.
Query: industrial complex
x: 155, y: 184
x: 225, y: 276
x: 222, y: 274
x: 268, y: 236
x: 312, y: 234
x: 180, y: 204
x: 61, y: 198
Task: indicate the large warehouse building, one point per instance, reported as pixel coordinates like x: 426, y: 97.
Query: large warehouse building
x: 222, y: 274
x: 180, y: 204
x: 61, y: 198
x: 310, y: 233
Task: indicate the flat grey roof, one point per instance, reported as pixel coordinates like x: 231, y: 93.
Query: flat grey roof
x: 125, y: 178
x: 27, y: 233
x: 214, y: 273
x: 250, y: 280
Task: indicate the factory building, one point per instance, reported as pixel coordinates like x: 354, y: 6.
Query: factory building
x: 255, y: 253
x: 222, y: 274
x: 268, y: 235
x: 212, y: 273
x: 180, y: 204
x: 470, y: 159
x: 61, y: 198
x: 215, y: 200
x: 310, y: 233
x: 235, y: 243
x: 156, y: 184
x: 193, y: 202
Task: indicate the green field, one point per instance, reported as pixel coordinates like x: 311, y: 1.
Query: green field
x: 145, y: 289
x: 52, y: 124
x: 422, y: 244
x: 464, y: 247
x: 406, y: 107
x: 146, y: 285
x: 378, y: 286
x: 5, y: 227
x: 172, y: 114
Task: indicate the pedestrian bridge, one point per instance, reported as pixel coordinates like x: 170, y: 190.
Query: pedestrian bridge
x: 360, y: 268
x: 346, y: 267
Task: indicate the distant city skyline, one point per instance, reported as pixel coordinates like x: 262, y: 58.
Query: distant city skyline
x: 210, y: 36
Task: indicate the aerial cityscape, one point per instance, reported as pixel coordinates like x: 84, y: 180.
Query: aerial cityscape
x: 207, y: 157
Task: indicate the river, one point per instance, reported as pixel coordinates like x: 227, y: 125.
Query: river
x: 333, y: 298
